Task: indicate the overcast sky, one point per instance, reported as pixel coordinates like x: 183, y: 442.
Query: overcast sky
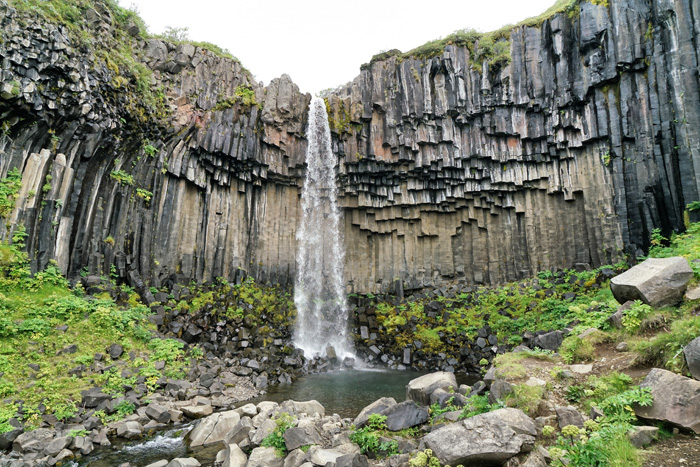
x: 321, y: 44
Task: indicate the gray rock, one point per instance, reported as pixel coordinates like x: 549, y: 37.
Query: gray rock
x: 212, y: 429
x: 93, y: 397
x: 622, y: 347
x: 307, y: 407
x: 321, y: 456
x: 420, y: 389
x: 676, y: 399
x: 405, y: 415
x: 267, y: 427
x: 115, y: 351
x: 129, y: 430
x: 499, y: 390
x: 57, y: 445
x: 352, y: 460
x: 184, y: 462
x: 197, y: 411
x: 33, y: 441
x: 692, y: 357
x: 8, y: 437
x: 158, y: 413
x: 375, y: 407
x: 234, y: 456
x: 656, y: 281
x: 301, y: 436
x: 160, y: 463
x: 490, y: 438
x: 642, y: 436
x: 264, y: 457
x: 62, y: 457
x: 240, y: 431
x: 83, y: 445
x: 568, y: 416
x: 549, y: 341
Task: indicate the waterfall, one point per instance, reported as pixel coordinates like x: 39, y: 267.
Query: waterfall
x: 319, y: 292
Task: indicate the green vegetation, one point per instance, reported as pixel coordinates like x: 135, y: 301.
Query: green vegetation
x: 9, y: 191
x: 276, y: 438
x: 243, y: 95
x: 576, y: 350
x: 122, y: 177
x: 367, y: 437
x: 426, y: 459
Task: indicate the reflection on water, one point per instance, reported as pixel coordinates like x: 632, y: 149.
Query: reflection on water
x: 348, y: 392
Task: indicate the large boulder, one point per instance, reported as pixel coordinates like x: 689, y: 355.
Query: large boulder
x: 692, y: 357
x: 264, y: 457
x: 405, y: 415
x: 484, y: 440
x: 420, y: 389
x: 657, y: 282
x: 298, y: 408
x: 375, y: 407
x: 33, y: 441
x: 213, y: 429
x: 676, y: 399
x: 234, y: 456
x: 301, y: 436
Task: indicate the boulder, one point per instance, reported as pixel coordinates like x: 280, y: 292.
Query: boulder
x: 57, y: 445
x: 321, y: 456
x: 33, y: 441
x: 549, y: 340
x: 405, y: 415
x: 240, y: 431
x: 352, y: 460
x: 234, y: 456
x: 266, y: 429
x: 158, y: 413
x: 264, y: 457
x: 93, y: 397
x: 375, y: 407
x: 420, y: 389
x: 160, y: 463
x: 213, y: 429
x: 656, y: 281
x: 499, y: 390
x: 676, y: 399
x: 129, y: 430
x: 8, y: 437
x: 307, y: 407
x: 641, y: 436
x: 692, y: 357
x: 568, y: 416
x: 197, y: 411
x: 184, y: 462
x: 486, y: 439
x: 301, y: 436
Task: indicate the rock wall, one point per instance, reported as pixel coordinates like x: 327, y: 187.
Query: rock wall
x: 449, y: 171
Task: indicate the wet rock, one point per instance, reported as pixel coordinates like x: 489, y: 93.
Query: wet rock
x: 61, y: 457
x: 656, y: 281
x: 129, y: 430
x: 420, y: 389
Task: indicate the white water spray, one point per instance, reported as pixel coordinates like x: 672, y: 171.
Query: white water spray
x: 319, y: 293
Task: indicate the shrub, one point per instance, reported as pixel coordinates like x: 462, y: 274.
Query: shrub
x: 276, y: 438
x: 574, y: 349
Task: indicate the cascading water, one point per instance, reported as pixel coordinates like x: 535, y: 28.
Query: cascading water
x: 319, y: 292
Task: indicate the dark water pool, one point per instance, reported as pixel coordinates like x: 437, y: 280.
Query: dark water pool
x: 347, y: 392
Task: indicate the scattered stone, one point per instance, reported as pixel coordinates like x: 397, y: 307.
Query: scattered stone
x: 549, y: 341
x: 499, y: 390
x: 197, y: 411
x: 301, y: 436
x: 160, y: 463
x: 93, y: 397
x: 581, y: 369
x: 375, y: 407
x: 115, y: 351
x: 129, y: 430
x: 184, y: 462
x: 321, y: 456
x: 622, y: 347
x: 234, y: 456
x: 240, y: 431
x: 158, y: 413
x: 657, y: 282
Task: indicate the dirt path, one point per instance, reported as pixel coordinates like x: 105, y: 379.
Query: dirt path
x: 681, y: 450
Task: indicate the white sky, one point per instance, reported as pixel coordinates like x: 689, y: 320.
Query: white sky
x: 321, y: 44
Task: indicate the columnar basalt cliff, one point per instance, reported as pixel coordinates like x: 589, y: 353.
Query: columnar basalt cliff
x: 568, y: 154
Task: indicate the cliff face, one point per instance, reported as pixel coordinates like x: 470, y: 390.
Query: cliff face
x: 570, y: 154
